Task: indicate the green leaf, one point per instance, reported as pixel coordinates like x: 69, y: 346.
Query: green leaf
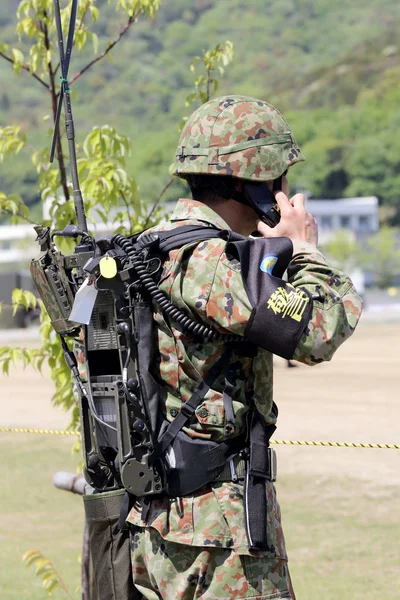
x: 16, y: 299
x: 6, y: 365
x: 18, y: 59
x: 30, y: 557
x: 95, y: 42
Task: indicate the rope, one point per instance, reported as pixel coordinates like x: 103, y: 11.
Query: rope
x: 278, y: 442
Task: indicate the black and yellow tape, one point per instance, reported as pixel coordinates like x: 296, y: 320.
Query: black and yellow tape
x: 277, y: 442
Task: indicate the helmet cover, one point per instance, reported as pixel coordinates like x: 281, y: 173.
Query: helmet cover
x: 237, y: 136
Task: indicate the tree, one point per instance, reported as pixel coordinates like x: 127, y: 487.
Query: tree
x: 344, y: 251
x: 382, y: 256
x: 104, y: 181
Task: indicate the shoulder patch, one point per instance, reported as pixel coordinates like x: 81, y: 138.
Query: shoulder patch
x: 268, y: 263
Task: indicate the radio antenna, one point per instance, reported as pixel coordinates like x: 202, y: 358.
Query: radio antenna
x: 65, y: 99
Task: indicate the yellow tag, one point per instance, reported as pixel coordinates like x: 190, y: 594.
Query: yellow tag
x: 108, y: 267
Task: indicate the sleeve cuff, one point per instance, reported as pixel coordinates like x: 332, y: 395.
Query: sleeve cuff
x: 300, y: 247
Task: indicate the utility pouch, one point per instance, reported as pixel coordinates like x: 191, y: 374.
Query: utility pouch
x: 191, y: 463
x: 109, y: 547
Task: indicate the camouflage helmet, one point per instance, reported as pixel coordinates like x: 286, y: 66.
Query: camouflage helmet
x: 237, y: 136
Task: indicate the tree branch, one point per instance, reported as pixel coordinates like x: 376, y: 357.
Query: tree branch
x: 18, y: 214
x: 153, y: 208
x: 103, y: 54
x: 127, y: 208
x: 26, y: 68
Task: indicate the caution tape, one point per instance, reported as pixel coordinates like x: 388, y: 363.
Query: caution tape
x: 31, y: 430
x: 278, y: 442
x: 336, y: 444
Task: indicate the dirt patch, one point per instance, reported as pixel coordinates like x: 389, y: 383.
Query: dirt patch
x: 26, y: 400
x: 353, y: 398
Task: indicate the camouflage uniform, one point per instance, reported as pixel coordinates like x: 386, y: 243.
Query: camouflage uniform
x: 196, y: 547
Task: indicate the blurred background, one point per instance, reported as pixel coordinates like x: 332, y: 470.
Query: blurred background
x: 138, y: 69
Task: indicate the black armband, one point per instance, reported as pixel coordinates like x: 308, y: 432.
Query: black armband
x: 280, y: 312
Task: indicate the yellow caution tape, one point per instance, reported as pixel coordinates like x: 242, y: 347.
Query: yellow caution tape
x: 31, y: 430
x: 279, y: 442
x: 338, y: 444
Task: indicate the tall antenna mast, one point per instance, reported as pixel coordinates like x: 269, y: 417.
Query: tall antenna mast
x: 65, y: 96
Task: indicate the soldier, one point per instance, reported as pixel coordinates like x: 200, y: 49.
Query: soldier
x: 221, y: 542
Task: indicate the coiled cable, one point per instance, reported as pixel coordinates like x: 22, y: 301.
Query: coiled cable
x: 160, y: 299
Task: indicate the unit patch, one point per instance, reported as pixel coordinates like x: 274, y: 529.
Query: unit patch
x: 288, y: 303
x: 268, y: 263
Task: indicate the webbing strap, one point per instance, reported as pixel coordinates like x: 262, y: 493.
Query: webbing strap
x: 279, y: 138
x: 187, y: 234
x: 187, y: 411
x: 188, y: 408
x: 216, y: 457
x: 227, y: 396
x: 255, y: 493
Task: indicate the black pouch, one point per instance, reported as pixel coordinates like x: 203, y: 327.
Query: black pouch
x: 191, y: 463
x: 109, y: 547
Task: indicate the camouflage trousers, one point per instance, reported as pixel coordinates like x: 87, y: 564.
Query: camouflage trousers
x: 165, y: 570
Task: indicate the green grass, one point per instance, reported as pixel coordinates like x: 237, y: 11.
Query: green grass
x: 342, y: 535
x: 34, y: 514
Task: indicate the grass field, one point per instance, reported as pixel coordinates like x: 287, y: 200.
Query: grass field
x: 34, y: 514
x: 340, y: 507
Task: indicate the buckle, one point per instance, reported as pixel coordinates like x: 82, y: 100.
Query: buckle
x: 187, y: 411
x: 271, y: 469
x: 272, y: 465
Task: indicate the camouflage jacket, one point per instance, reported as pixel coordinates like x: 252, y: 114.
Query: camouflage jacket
x: 206, y: 283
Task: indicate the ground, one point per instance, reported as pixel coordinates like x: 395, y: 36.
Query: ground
x: 339, y: 505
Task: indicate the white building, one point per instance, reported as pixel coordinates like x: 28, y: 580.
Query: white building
x: 360, y: 215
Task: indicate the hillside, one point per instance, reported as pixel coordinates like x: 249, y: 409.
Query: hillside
x: 332, y: 68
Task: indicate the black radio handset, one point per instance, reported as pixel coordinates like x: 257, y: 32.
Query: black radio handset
x: 262, y: 199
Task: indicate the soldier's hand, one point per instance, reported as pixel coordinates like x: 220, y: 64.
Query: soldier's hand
x: 296, y: 223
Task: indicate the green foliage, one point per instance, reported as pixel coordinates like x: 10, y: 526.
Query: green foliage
x: 207, y: 85
x: 343, y: 250
x: 12, y: 140
x: 337, y: 81
x: 134, y: 8
x: 382, y: 256
x: 108, y: 190
x: 13, y: 206
x: 104, y: 179
x: 23, y: 298
x: 45, y: 569
x: 105, y: 182
x: 36, y: 23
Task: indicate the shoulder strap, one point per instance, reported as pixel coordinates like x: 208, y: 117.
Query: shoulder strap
x: 187, y: 234
x: 165, y: 241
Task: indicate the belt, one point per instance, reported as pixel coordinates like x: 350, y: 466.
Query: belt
x: 233, y: 470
